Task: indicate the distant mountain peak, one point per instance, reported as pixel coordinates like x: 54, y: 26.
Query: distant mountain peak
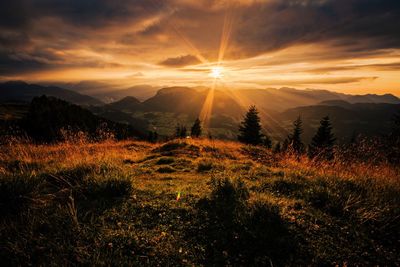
x: 128, y: 99
x: 127, y: 103
x: 175, y: 89
x: 25, y: 92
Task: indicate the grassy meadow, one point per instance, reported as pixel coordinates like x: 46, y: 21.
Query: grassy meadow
x: 190, y: 203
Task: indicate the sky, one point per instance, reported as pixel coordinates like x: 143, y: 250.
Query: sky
x: 350, y: 46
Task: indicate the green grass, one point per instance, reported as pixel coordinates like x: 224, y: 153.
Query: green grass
x: 183, y: 203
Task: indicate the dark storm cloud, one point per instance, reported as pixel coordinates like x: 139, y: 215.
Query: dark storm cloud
x: 352, y: 24
x: 31, y: 29
x: 23, y: 22
x: 180, y: 61
x: 10, y: 65
x: 84, y: 13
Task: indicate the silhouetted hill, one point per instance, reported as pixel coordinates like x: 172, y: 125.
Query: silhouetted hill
x: 338, y: 103
x: 347, y: 119
x: 128, y: 103
x: 176, y: 99
x: 286, y: 98
x: 278, y: 108
x: 24, y: 92
x: 141, y: 92
x: 184, y: 100
x: 48, y: 115
x: 373, y: 98
x: 121, y: 117
x: 110, y: 92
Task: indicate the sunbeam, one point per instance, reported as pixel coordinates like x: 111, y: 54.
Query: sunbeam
x: 206, y: 110
x: 216, y: 72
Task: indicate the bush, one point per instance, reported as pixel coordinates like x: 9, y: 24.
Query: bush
x: 267, y: 235
x: 229, y: 191
x: 165, y: 160
x: 166, y: 169
x: 109, y: 188
x: 205, y: 166
x: 172, y: 146
x: 69, y: 178
x: 237, y: 232
x: 16, y: 192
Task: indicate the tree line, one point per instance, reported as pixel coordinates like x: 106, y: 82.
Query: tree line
x: 322, y: 144
x: 321, y: 147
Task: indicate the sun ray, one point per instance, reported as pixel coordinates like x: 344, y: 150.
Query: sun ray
x: 175, y: 27
x: 206, y: 111
x: 225, y: 35
x: 216, y: 72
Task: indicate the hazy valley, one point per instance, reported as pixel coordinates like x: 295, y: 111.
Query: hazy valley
x: 351, y: 115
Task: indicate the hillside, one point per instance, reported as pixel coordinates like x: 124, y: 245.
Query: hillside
x: 278, y: 109
x: 109, y: 92
x: 348, y: 119
x: 24, y: 92
x: 128, y: 103
x: 187, y: 99
x: 46, y: 118
x: 195, y: 202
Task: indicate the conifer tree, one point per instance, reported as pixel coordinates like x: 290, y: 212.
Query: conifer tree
x: 180, y: 131
x: 267, y: 141
x: 393, y: 141
x: 322, y: 143
x: 196, y: 129
x: 152, y: 136
x: 278, y: 148
x: 293, y: 140
x: 285, y: 145
x: 250, y: 128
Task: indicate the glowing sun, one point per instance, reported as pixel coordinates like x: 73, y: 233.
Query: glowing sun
x: 216, y: 72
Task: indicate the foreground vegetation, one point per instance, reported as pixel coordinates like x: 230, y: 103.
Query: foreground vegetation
x: 193, y: 202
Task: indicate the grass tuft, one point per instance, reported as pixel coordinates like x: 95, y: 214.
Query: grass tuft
x: 205, y: 166
x: 165, y: 161
x: 166, y: 169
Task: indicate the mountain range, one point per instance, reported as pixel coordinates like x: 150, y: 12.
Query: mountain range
x: 368, y: 114
x: 18, y: 91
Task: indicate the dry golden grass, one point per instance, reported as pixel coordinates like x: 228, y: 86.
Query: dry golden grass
x: 122, y: 197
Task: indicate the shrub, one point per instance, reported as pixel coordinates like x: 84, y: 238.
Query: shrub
x: 267, y: 235
x: 237, y: 232
x: 205, y: 166
x: 16, y: 192
x: 172, y: 146
x: 109, y: 188
x: 69, y: 178
x: 165, y: 160
x: 228, y: 196
x: 166, y: 169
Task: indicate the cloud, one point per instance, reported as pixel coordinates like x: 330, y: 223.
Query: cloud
x: 180, y: 61
x: 312, y: 81
x: 38, y: 35
x: 353, y: 25
x: 384, y: 67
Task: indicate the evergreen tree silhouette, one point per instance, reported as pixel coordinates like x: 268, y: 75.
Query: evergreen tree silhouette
x: 278, y: 148
x: 293, y: 140
x: 267, y: 141
x: 250, y: 128
x: 196, y: 129
x: 322, y: 143
x: 180, y: 131
x: 152, y: 136
x: 393, y: 141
